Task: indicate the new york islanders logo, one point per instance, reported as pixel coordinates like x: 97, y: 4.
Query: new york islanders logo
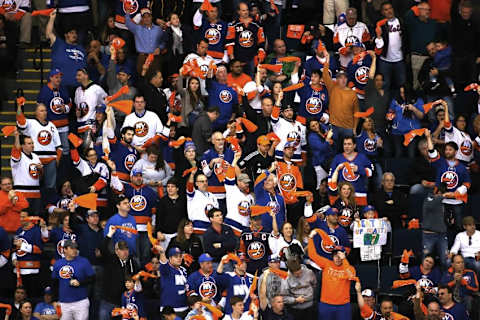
x: 350, y: 40
x: 244, y: 208
x: 329, y: 249
x: 33, y: 171
x: 349, y: 177
x: 256, y: 250
x: 130, y: 6
x: 294, y: 136
x: 44, y: 137
x: 138, y: 202
x: 208, y: 207
x: 425, y: 283
x: 141, y: 129
x: 83, y: 108
x: 21, y: 253
x: 466, y: 147
x: 60, y: 247
x: 370, y: 145
x: 207, y: 289
x: 245, y: 39
x: 447, y: 316
x: 361, y: 75
x: 9, y: 5
x: 450, y: 178
x: 125, y: 232
x: 274, y: 206
x: 225, y: 96
x: 213, y: 36
x: 345, y: 217
x: 287, y: 182
x: 314, y: 105
x: 66, y: 272
x: 129, y: 161
x: 56, y: 105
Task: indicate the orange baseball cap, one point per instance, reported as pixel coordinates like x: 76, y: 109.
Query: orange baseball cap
x: 263, y: 140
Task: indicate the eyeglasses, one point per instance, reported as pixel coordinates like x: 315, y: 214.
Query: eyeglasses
x: 202, y: 181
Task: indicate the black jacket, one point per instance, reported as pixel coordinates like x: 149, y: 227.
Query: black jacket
x: 170, y: 212
x: 226, y: 238
x: 438, y: 88
x: 263, y: 123
x: 464, y: 34
x: 201, y: 133
x: 392, y: 207
x: 114, y: 273
x: 155, y: 98
x: 192, y: 246
x: 422, y: 170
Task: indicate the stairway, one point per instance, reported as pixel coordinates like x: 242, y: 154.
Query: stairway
x: 29, y: 80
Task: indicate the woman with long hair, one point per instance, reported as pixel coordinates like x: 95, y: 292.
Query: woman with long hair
x: 189, y: 243
x: 346, y: 205
x: 192, y: 101
x: 303, y: 232
x: 283, y: 239
x: 155, y: 171
x: 180, y: 43
x: 25, y: 312
x: 369, y: 142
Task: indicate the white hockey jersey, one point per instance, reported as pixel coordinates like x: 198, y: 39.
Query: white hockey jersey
x: 86, y: 100
x: 198, y: 205
x: 345, y: 36
x: 463, y: 141
x: 289, y: 132
x: 203, y: 63
x: 146, y: 126
x: 45, y: 138
x: 25, y: 173
x: 238, y: 205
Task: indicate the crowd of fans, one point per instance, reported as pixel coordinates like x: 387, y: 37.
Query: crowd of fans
x: 208, y: 159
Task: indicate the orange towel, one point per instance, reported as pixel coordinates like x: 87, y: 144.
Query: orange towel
x: 365, y: 114
x: 44, y: 12
x: 471, y: 86
x: 117, y: 43
x: 8, y: 130
x: 127, y: 229
x: 122, y: 90
x: 293, y: 87
x: 282, y: 274
x: 206, y: 6
x: 271, y: 67
x: 249, y: 125
x: 289, y: 59
x: 124, y: 106
x: 409, y: 136
x: 88, y: 200
x: 75, y: 140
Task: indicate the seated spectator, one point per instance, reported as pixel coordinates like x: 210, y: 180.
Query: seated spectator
x: 46, y: 307
x: 449, y: 307
x: 390, y: 202
x: 468, y: 244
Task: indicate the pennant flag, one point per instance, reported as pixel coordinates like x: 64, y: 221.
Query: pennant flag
x: 403, y: 283
x: 365, y: 114
x: 122, y: 90
x: 206, y: 6
x: 88, y: 200
x: 148, y: 60
x: 406, y: 256
x: 151, y: 238
x: 249, y: 125
x: 44, y: 12
x: 289, y: 59
x: 8, y: 130
x: 117, y: 43
x: 273, y: 137
x: 471, y: 86
x: 188, y: 171
x: 127, y: 229
x: 409, y: 136
x: 124, y: 106
x: 282, y: 274
x: 75, y: 140
x: 293, y: 87
x: 259, y: 210
x: 234, y: 142
x: 271, y: 67
x: 174, y: 118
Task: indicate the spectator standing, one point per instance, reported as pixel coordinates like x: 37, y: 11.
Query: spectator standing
x: 11, y: 204
x: 179, y: 43
x: 332, y: 9
x: 188, y: 242
x: 74, y: 274
x: 122, y: 219
x: 420, y: 31
x: 202, y: 129
x: 223, y: 94
x: 259, y: 160
x: 219, y: 238
x: 300, y: 286
x: 192, y: 102
x: 149, y: 39
x: 74, y: 15
x: 67, y: 54
x: 154, y: 169
x: 422, y: 174
x: 279, y: 51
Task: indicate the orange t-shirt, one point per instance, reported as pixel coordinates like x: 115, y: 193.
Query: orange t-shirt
x: 335, y: 279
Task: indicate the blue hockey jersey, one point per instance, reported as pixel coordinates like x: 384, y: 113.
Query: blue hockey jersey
x: 276, y: 202
x: 224, y: 97
x: 237, y: 285
x: 216, y: 186
x: 132, y: 300
x: 28, y: 255
x: 142, y: 200
x: 124, y: 156
x: 216, y: 34
x: 57, y: 237
x: 357, y: 73
x: 58, y: 103
x: 367, y: 145
x: 173, y: 287
x: 338, y: 235
x: 65, y: 270
x: 313, y: 101
x: 129, y: 237
x: 207, y: 286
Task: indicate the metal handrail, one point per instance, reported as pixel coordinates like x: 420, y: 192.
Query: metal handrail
x: 41, y: 62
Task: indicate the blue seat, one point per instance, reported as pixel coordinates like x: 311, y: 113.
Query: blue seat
x: 407, y: 239
x: 368, y: 274
x: 400, y: 167
x: 473, y: 206
x: 415, y: 206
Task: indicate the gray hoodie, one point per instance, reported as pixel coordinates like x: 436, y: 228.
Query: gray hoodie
x: 302, y: 286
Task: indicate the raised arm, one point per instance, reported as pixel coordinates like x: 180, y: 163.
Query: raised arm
x: 373, y: 66
x: 49, y: 30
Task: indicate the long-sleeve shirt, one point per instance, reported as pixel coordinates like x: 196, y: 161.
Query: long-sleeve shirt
x: 420, y: 33
x: 150, y: 174
x: 226, y: 239
x: 342, y: 105
x: 147, y: 39
x: 302, y: 286
x: 467, y: 245
x: 9, y: 212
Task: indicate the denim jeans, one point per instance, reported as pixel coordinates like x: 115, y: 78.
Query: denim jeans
x: 50, y: 175
x: 436, y: 243
x: 95, y: 292
x: 393, y: 73
x: 105, y: 312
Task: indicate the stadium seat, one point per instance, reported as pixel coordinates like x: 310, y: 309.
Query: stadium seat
x: 415, y: 206
x: 387, y: 275
x: 368, y: 274
x: 399, y: 167
x: 473, y: 206
x: 407, y: 239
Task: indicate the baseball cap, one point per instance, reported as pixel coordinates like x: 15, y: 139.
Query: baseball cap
x: 101, y: 108
x: 358, y: 44
x: 368, y: 208
x: 289, y: 144
x: 145, y: 10
x: 330, y: 211
x: 273, y: 258
x: 263, y: 140
x: 341, y: 73
x: 168, y: 310
x: 205, y: 257
x: 70, y: 243
x: 368, y: 293
x: 90, y: 212
x: 48, y: 290
x: 287, y: 107
x: 136, y: 172
x: 244, y: 178
x: 125, y: 70
x: 174, y: 251
x: 54, y: 72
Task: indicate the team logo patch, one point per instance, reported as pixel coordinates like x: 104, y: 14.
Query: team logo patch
x: 348, y: 177
x: 370, y: 145
x: 244, y: 208
x: 207, y: 289
x: 129, y: 161
x: 60, y: 248
x: 66, y: 272
x: 21, y: 253
x: 138, y: 203
x: 33, y: 171
x: 425, y: 283
x: 130, y: 6
x: 361, y: 75
x: 56, y: 105
x: 450, y: 178
x: 275, y: 206
x: 294, y: 136
x: 314, y: 105
x: 83, y: 108
x: 213, y: 36
x: 131, y: 306
x: 466, y: 147
x: 44, y: 137
x: 345, y: 217
x: 287, y: 182
x: 141, y: 129
x: 208, y: 207
x: 225, y: 96
x: 9, y: 5
x: 447, y: 316
x: 127, y: 233
x: 245, y: 39
x: 256, y: 250
x: 329, y: 249
x: 351, y: 40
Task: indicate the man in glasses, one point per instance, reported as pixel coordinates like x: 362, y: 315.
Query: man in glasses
x: 450, y: 308
x: 468, y: 244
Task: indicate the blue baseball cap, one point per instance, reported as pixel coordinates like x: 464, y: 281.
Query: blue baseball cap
x: 189, y: 145
x: 48, y: 290
x: 368, y: 208
x: 136, y: 172
x: 174, y: 251
x: 124, y: 69
x: 289, y: 144
x: 205, y: 257
x: 101, y: 108
x: 330, y: 211
x: 54, y: 72
x: 358, y: 44
x: 273, y: 258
